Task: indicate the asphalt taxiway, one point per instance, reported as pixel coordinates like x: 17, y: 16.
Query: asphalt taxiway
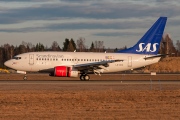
x: 95, y: 82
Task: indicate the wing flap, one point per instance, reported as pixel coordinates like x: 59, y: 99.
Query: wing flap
x: 95, y: 65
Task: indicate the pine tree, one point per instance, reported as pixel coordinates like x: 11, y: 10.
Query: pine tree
x: 115, y: 50
x: 73, y: 43
x: 66, y: 43
x: 70, y: 46
x: 39, y: 47
x: 92, y: 49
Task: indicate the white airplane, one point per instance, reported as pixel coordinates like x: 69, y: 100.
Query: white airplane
x: 70, y: 64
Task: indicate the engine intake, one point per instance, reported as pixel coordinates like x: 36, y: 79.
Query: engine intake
x: 64, y: 71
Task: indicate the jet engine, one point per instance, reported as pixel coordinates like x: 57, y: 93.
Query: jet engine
x: 64, y: 71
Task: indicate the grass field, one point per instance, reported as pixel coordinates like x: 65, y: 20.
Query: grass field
x: 83, y: 101
x: 89, y: 102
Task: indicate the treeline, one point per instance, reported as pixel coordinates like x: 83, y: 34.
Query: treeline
x: 7, y: 51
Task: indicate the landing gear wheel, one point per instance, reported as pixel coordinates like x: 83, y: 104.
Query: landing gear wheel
x: 25, y: 77
x: 86, y: 77
x: 82, y: 77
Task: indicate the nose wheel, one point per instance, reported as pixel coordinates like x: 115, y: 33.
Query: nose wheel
x: 25, y: 77
x: 84, y: 77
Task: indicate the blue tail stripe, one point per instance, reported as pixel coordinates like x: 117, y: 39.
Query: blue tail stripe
x: 150, y: 42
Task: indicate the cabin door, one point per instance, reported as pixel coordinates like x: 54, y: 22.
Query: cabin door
x: 129, y: 61
x: 31, y: 59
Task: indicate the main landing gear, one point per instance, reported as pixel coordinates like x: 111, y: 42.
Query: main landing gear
x: 84, y: 77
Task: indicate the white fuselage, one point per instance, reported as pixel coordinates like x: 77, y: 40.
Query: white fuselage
x: 46, y: 61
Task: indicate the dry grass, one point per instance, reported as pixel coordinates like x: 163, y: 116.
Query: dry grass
x: 89, y: 102
x: 166, y: 65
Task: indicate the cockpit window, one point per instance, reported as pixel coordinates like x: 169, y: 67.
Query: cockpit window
x: 17, y: 58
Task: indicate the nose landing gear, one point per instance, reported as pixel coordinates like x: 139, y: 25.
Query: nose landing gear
x: 25, y: 77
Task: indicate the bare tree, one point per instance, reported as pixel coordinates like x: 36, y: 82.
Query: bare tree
x: 24, y: 43
x: 1, y: 57
x: 31, y: 47
x: 168, y: 46
x: 11, y: 51
x: 55, y: 46
x: 99, y: 46
x: 7, y: 52
x: 81, y: 44
x: 178, y: 47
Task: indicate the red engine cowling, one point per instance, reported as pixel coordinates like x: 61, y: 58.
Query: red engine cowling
x: 64, y: 71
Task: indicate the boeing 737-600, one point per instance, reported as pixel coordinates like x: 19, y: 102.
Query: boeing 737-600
x: 71, y: 64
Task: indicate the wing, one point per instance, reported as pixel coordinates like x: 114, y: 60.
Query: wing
x: 95, y: 65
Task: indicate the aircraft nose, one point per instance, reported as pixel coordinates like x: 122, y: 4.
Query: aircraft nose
x: 7, y: 63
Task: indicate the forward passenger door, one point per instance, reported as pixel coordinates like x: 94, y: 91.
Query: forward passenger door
x: 31, y: 59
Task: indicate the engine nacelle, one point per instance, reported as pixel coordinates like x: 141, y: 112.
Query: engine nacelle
x: 64, y: 71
